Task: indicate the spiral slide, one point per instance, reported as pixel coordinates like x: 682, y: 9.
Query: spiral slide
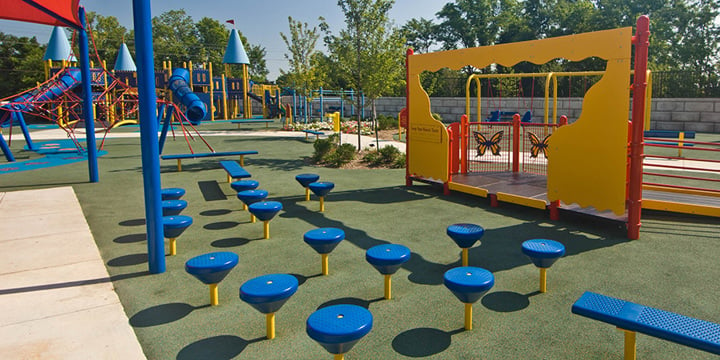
x: 184, y: 95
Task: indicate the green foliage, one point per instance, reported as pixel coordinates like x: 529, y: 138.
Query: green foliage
x: 108, y: 35
x: 420, y: 34
x: 388, y: 156
x: 342, y: 155
x: 21, y: 63
x: 386, y: 122
x: 400, y: 162
x: 303, y: 74
x: 372, y: 158
x: 323, y: 147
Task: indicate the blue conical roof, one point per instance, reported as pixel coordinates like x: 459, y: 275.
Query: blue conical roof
x: 58, y: 47
x: 124, y: 61
x: 235, y: 52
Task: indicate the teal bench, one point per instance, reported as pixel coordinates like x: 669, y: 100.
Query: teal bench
x: 253, y: 121
x: 234, y: 170
x: 313, y: 132
x: 672, y: 134
x: 632, y: 318
x: 180, y: 157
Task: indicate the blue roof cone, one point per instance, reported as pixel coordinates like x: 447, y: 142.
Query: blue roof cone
x: 124, y: 61
x: 58, y: 48
x: 235, y: 52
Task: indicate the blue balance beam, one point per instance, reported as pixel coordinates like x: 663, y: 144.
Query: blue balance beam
x: 670, y: 134
x: 234, y: 170
x: 631, y: 317
x: 180, y: 157
x: 252, y: 121
x: 314, y: 132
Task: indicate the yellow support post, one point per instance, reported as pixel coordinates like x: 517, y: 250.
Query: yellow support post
x: 388, y: 286
x: 212, y: 93
x: 465, y: 257
x: 681, y: 137
x: 266, y: 229
x: 322, y: 204
x: 214, y: 294
x: 630, y: 350
x: 543, y: 280
x: 307, y: 194
x: 224, y: 98
x: 179, y: 165
x: 468, y: 316
x: 339, y: 357
x: 270, y: 325
x: 173, y: 246
x: 325, y: 264
x: 190, y: 74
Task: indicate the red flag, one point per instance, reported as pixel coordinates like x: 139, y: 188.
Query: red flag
x: 231, y: 22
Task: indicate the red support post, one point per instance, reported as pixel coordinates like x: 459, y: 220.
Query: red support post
x: 408, y: 179
x: 454, y: 132
x: 516, y: 143
x: 641, y: 41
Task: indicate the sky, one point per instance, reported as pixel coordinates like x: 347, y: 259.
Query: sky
x: 261, y: 21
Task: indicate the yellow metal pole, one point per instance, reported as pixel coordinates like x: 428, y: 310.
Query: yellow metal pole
x: 325, y: 264
x: 214, y: 294
x: 307, y: 194
x: 388, y: 286
x: 465, y: 257
x: 190, y: 71
x: 173, y: 246
x: 270, y: 325
x: 322, y: 204
x: 543, y: 280
x: 468, y: 316
x: 681, y: 137
x: 266, y: 229
x: 252, y: 218
x: 179, y: 163
x: 224, y: 98
x: 339, y: 357
x: 630, y: 344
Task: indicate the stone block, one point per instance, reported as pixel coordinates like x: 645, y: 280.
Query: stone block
x: 700, y: 127
x: 685, y: 116
x: 699, y: 106
x: 660, y: 116
x: 710, y: 117
x: 668, y: 125
x: 669, y: 105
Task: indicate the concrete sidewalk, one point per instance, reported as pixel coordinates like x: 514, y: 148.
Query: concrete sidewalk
x: 56, y: 296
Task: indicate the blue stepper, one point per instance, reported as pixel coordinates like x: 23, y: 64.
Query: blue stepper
x: 465, y: 235
x: 662, y: 324
x: 252, y: 196
x: 387, y: 258
x: 173, y: 207
x: 324, y: 240
x: 211, y: 268
x: 314, y: 132
x: 202, y: 155
x: 468, y: 283
x: 542, y: 252
x: 242, y: 185
x: 173, y: 226
x: 321, y: 188
x: 339, y: 327
x: 234, y: 169
x: 172, y: 193
x: 306, y: 179
x: 265, y: 210
x: 268, y: 293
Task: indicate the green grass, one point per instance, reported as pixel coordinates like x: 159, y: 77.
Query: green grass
x: 672, y: 266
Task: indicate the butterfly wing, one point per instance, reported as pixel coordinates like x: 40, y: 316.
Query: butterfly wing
x: 494, y: 143
x: 481, y: 143
x: 545, y: 144
x: 535, y: 142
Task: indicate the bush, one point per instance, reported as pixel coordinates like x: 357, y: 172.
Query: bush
x: 388, y: 154
x: 323, y: 147
x: 342, y: 155
x: 386, y: 122
x: 399, y: 162
x: 372, y: 158
x: 437, y: 116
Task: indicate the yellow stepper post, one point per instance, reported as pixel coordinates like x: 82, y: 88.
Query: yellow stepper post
x: 388, y: 286
x: 543, y: 280
x: 179, y: 165
x: 266, y: 229
x: 270, y: 324
x: 468, y: 316
x: 465, y: 257
x: 325, y: 264
x: 173, y: 246
x: 322, y: 204
x: 307, y: 194
x: 265, y: 211
x: 543, y: 253
x: 339, y: 357
x: 214, y: 294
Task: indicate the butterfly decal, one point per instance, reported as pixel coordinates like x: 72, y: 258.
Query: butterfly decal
x: 537, y: 145
x: 483, y: 144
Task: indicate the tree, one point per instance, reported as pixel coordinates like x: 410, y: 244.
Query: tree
x: 369, y: 51
x: 303, y: 74
x: 175, y: 38
x: 468, y: 23
x: 214, y: 38
x: 108, y: 35
x: 420, y: 34
x: 21, y: 65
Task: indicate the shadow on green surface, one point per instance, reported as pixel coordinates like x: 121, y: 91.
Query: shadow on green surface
x: 217, y: 348
x: 422, y: 342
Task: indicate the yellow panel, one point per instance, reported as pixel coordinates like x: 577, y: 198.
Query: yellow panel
x: 681, y: 208
x: 522, y: 200
x: 467, y: 189
x: 587, y: 160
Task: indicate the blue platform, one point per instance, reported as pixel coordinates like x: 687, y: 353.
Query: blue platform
x: 468, y: 283
x: 324, y: 240
x: 542, y: 252
x: 387, y: 258
x: 339, y: 327
x: 211, y: 268
x: 268, y: 293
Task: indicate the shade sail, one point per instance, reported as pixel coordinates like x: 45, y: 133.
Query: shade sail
x: 48, y: 12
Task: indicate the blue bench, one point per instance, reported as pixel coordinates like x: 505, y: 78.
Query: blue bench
x: 253, y: 121
x: 179, y: 157
x: 234, y: 170
x: 497, y: 116
x: 314, y: 132
x: 672, y: 134
x: 631, y: 318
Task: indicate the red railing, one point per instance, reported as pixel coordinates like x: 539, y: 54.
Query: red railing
x: 699, y: 167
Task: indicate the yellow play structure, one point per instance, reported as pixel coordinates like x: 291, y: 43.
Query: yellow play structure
x: 587, y: 161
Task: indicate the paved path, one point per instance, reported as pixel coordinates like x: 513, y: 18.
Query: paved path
x: 56, y: 296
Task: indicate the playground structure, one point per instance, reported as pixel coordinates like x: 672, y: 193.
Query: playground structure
x: 593, y: 165
x: 587, y: 161
x: 323, y: 101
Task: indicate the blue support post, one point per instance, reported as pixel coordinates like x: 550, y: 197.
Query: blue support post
x: 342, y: 104
x: 352, y: 103
x: 167, y: 111
x: 148, y: 135
x: 23, y: 127
x: 322, y: 105
x: 294, y: 107
x: 6, y: 149
x: 87, y: 99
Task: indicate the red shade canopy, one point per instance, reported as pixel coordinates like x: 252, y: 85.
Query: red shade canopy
x: 48, y: 12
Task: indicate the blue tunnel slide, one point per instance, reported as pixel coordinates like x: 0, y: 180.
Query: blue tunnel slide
x: 183, y: 94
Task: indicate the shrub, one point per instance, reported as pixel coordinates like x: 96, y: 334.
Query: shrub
x: 388, y: 154
x: 372, y: 158
x: 323, y: 147
x: 386, y: 122
x: 342, y: 155
x: 437, y: 116
x: 399, y: 162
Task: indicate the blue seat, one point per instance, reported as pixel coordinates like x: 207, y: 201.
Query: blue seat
x: 338, y: 328
x: 172, y: 193
x: 267, y: 294
x: 305, y: 180
x: 249, y: 197
x: 321, y: 189
x: 211, y: 269
x: 173, y: 207
x: 632, y: 317
x: 465, y: 236
x: 387, y: 259
x: 313, y: 132
x: 324, y: 241
x: 265, y: 211
x: 468, y: 284
x: 242, y: 185
x: 543, y: 253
